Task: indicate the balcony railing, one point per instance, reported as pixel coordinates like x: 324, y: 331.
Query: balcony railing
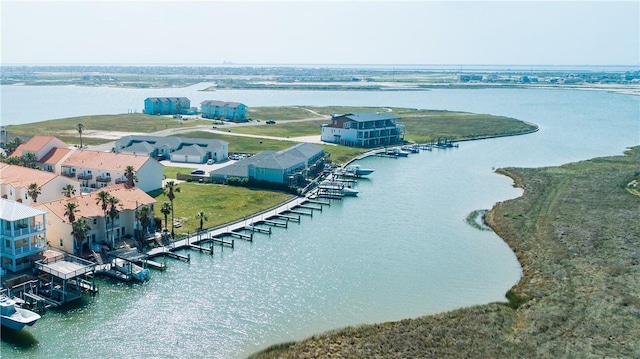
x: 121, y: 180
x: 85, y: 176
x: 68, y: 174
x: 103, y: 179
x: 39, y: 246
x: 18, y: 232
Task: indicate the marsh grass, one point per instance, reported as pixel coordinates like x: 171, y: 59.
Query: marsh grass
x: 576, y: 232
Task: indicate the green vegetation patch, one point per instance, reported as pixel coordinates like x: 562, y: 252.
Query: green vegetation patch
x: 576, y: 232
x: 222, y: 204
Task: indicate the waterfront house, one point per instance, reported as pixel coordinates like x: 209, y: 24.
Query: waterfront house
x: 15, y: 182
x: 96, y: 169
x: 228, y: 111
x: 23, y: 232
x: 364, y: 129
x: 178, y: 149
x: 290, y: 166
x: 167, y: 105
x: 103, y: 231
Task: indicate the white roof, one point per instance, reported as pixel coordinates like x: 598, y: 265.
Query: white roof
x: 13, y: 211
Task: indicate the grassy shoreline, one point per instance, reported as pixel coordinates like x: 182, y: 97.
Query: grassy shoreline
x: 576, y: 232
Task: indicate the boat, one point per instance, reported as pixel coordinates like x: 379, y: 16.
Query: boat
x: 336, y: 188
x: 356, y: 171
x: 14, y: 317
x: 397, y: 152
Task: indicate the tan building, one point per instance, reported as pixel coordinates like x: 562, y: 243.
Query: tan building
x: 102, y: 232
x: 15, y: 181
x: 39, y: 145
x: 96, y: 170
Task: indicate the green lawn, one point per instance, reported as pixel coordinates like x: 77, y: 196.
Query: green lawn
x: 223, y: 204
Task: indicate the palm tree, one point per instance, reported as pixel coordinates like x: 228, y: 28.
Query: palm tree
x: 166, y: 209
x: 28, y: 160
x: 68, y: 190
x: 33, y: 191
x: 169, y: 190
x: 70, y: 210
x: 131, y: 177
x: 113, y: 213
x: 202, y: 216
x: 80, y: 128
x: 103, y: 201
x: 144, y: 217
x: 79, y: 230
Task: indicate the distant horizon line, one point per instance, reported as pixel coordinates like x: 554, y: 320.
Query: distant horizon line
x: 228, y: 63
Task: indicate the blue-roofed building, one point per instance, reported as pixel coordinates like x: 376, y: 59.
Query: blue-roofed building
x: 167, y: 106
x: 290, y: 166
x: 177, y: 149
x: 228, y: 111
x: 364, y: 129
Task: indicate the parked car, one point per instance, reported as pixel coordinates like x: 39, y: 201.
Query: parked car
x: 210, y: 161
x: 271, y: 122
x: 197, y: 172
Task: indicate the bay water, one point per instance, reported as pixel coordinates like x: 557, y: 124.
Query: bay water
x: 400, y: 249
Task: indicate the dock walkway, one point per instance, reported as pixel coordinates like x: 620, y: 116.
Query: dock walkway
x: 218, y: 232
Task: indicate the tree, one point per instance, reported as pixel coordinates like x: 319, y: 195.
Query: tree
x: 103, y: 201
x: 169, y: 190
x: 70, y: 210
x: 79, y: 230
x: 28, y: 160
x: 202, y: 216
x: 114, y: 203
x: 33, y: 191
x: 165, y: 209
x: 80, y: 128
x: 68, y: 190
x: 131, y: 177
x: 144, y: 217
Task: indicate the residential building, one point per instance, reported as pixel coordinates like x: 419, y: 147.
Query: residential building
x: 23, y: 232
x: 96, y: 169
x: 290, y: 166
x: 228, y: 111
x: 167, y: 105
x: 178, y: 149
x: 363, y: 129
x: 39, y: 145
x: 103, y: 230
x: 15, y: 182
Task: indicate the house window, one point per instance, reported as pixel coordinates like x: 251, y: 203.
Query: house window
x: 95, y: 221
x: 61, y: 243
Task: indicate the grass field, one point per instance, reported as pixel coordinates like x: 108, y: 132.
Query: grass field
x: 223, y: 204
x: 576, y: 232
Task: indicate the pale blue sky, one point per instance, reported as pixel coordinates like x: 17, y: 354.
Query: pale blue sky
x: 322, y: 32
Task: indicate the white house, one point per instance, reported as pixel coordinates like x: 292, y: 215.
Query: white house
x: 15, y: 181
x: 23, y: 233
x: 363, y: 129
x: 178, y: 149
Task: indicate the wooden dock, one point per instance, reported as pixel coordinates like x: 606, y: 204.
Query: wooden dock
x: 260, y: 229
x: 310, y: 214
x: 289, y: 218
x: 275, y: 223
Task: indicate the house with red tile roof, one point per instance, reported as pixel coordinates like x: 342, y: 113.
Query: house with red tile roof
x: 15, y: 181
x: 103, y: 230
x: 96, y: 169
x: 39, y: 145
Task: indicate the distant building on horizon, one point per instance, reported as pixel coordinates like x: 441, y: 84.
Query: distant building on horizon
x: 363, y: 129
x: 167, y: 106
x: 228, y: 111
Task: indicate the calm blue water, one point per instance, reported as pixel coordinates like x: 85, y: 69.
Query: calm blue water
x: 400, y: 249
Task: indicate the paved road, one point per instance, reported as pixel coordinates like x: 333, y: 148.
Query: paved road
x: 223, y: 129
